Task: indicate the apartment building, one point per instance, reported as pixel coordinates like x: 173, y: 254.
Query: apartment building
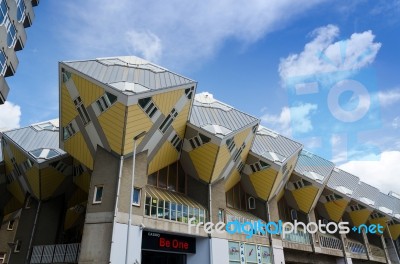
x: 15, y: 16
x: 138, y: 163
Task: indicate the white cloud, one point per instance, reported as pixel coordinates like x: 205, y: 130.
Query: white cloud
x: 389, y: 97
x: 176, y: 31
x: 291, y: 119
x: 322, y: 54
x: 382, y: 173
x: 10, y: 115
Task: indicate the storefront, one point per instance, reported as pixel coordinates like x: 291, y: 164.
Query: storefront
x: 161, y: 248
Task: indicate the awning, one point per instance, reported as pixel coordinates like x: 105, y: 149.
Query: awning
x: 178, y: 198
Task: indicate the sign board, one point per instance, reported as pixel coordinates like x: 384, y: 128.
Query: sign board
x: 167, y: 242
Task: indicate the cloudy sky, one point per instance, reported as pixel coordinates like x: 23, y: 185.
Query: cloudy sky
x: 323, y: 72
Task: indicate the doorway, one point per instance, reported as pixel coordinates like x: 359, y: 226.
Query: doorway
x: 155, y: 257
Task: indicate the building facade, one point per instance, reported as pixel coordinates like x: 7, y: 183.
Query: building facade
x: 140, y: 168
x: 15, y: 16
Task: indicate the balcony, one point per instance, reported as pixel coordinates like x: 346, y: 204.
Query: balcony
x: 329, y: 241
x: 300, y: 237
x: 60, y: 253
x: 377, y: 254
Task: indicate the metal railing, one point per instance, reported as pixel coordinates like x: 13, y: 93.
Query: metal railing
x: 356, y: 247
x: 300, y: 236
x: 328, y: 241
x: 60, y: 253
x: 377, y: 251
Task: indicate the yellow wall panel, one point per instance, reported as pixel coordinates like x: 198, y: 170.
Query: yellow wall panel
x: 336, y: 209
x: 33, y: 179
x: 290, y: 164
x: 136, y: 122
x: 112, y: 122
x: 222, y: 159
x: 180, y: 121
x: 166, y: 101
x: 16, y: 191
x: 7, y: 162
x: 76, y: 147
x: 263, y: 181
x: 381, y: 221
x: 88, y: 91
x: 70, y: 218
x: 12, y: 205
x: 232, y: 180
x: 166, y: 155
x: 68, y: 110
x: 203, y: 159
x: 83, y: 181
x: 359, y: 217
x: 50, y: 180
x: 18, y: 155
x: 240, y: 137
x: 305, y: 197
x: 78, y: 197
x: 394, y: 231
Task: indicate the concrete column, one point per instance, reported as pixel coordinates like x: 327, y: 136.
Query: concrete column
x: 277, y: 245
x: 386, y: 250
x: 314, y: 237
x: 219, y: 252
x: 366, y: 243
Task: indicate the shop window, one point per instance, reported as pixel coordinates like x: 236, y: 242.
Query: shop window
x: 136, y: 196
x: 10, y: 225
x: 98, y: 194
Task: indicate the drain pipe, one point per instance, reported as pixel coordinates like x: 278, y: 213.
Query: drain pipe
x: 210, y: 219
x: 33, y: 231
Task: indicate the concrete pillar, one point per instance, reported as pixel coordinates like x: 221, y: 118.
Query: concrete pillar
x: 366, y: 243
x: 385, y: 249
x: 219, y: 251
x: 276, y: 240
x: 314, y: 237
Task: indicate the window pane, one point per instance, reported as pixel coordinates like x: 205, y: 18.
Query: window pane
x: 162, y: 178
x: 234, y: 252
x: 136, y: 196
x: 154, y: 207
x: 99, y: 193
x: 152, y: 179
x: 167, y: 214
x: 173, y: 211
x: 147, y: 206
x: 251, y: 253
x: 179, y: 213
x: 185, y: 214
x: 172, y: 177
x: 160, y: 213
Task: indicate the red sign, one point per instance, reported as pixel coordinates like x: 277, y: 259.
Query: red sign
x: 167, y: 242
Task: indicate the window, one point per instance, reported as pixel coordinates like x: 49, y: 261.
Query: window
x: 28, y: 202
x: 239, y: 152
x: 391, y: 222
x: 18, y: 245
x: 66, y: 75
x: 77, y: 170
x: 259, y: 165
x: 20, y: 10
x: 3, y: 256
x: 148, y: 106
x: 3, y: 11
x: 11, y: 225
x: 136, y: 196
x: 3, y: 64
x: 176, y: 141
x: 293, y: 214
x: 68, y: 131
x: 81, y: 110
x: 98, y: 194
x: 27, y: 164
x: 354, y: 207
x: 11, y: 33
x: 44, y: 153
x: 254, y: 129
x: 199, y: 140
x: 332, y: 197
x: 301, y: 183
x: 172, y: 178
x: 240, y: 167
x: 59, y: 166
x: 168, y: 121
x: 221, y: 215
x: 105, y: 101
x: 376, y: 215
x: 231, y: 144
x: 189, y: 92
x: 252, y: 203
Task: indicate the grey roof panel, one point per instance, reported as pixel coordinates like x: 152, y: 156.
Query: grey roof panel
x: 343, y: 181
x: 144, y: 73
x: 36, y: 137
x: 269, y: 144
x: 209, y: 113
x: 388, y: 204
x: 313, y: 166
x: 366, y: 194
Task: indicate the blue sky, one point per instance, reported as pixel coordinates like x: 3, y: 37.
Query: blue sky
x: 255, y: 56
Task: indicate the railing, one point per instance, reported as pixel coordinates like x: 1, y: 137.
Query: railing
x: 60, y: 253
x: 327, y: 241
x: 356, y: 247
x: 377, y: 251
x: 300, y: 236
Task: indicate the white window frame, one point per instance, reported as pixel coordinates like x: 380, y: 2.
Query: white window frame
x: 96, y: 187
x: 3, y: 257
x: 3, y: 66
x: 19, y: 4
x: 4, y: 12
x: 28, y: 202
x: 17, y: 244
x: 8, y: 24
x: 140, y: 196
x: 12, y: 225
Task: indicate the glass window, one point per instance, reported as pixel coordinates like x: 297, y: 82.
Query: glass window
x: 20, y: 10
x: 153, y: 211
x: 3, y: 64
x: 162, y: 178
x: 11, y: 225
x: 18, y: 245
x: 251, y: 253
x: 185, y: 214
x: 221, y: 215
x: 179, y: 213
x: 3, y: 10
x: 11, y: 33
x: 173, y: 211
x: 98, y: 194
x: 265, y: 255
x: 160, y: 211
x: 167, y: 214
x: 147, y: 205
x: 136, y: 196
x: 234, y: 252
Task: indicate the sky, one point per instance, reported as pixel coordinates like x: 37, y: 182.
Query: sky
x: 322, y: 72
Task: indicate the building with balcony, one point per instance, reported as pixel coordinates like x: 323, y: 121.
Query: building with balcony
x: 66, y: 193
x: 15, y: 16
